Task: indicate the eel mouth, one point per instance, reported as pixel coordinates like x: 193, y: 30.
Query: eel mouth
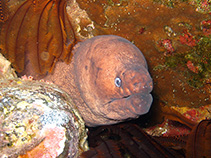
x: 140, y: 103
x: 129, y: 106
x: 126, y: 96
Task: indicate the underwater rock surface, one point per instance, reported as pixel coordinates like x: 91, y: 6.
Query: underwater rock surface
x: 38, y: 119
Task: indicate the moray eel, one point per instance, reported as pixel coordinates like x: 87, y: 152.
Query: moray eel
x: 108, y: 80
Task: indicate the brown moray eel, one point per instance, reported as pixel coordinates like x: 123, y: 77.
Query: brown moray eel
x: 107, y: 79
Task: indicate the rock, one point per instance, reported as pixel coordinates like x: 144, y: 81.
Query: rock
x: 39, y: 120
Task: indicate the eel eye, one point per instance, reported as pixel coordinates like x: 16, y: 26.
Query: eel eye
x: 118, y: 82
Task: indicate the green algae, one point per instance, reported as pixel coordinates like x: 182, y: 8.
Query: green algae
x: 202, y: 6
x: 169, y: 3
x: 200, y: 57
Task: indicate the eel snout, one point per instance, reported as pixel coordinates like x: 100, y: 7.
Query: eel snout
x: 136, y: 80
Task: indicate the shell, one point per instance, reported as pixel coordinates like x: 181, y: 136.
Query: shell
x: 39, y: 116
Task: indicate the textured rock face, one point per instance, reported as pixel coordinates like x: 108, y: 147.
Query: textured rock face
x: 107, y: 79
x: 38, y: 119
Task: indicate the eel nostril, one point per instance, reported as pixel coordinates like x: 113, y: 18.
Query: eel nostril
x: 142, y: 86
x: 145, y: 86
x: 137, y: 86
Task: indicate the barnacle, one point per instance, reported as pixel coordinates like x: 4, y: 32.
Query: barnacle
x: 38, y: 31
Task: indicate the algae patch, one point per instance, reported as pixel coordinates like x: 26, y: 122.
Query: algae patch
x: 195, y: 63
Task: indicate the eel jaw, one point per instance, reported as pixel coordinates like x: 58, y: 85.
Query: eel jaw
x: 130, y: 106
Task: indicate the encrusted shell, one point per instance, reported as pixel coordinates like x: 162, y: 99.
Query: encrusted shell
x: 38, y: 119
